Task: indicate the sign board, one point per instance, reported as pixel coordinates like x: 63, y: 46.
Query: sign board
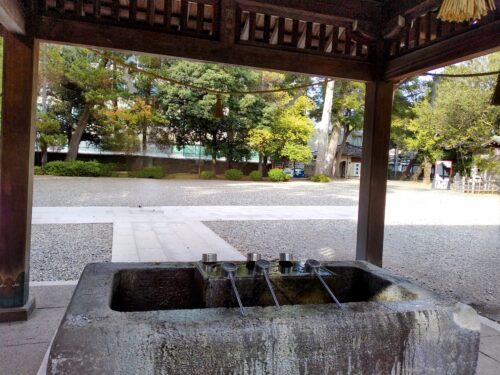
x: 442, y: 174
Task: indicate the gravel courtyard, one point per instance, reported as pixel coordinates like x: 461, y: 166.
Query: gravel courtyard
x: 446, y: 241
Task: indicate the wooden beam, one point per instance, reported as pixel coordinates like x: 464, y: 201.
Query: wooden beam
x: 410, y: 8
x: 153, y: 42
x: 16, y: 170
x: 373, y: 183
x: 302, y: 15
x: 392, y: 28
x: 477, y: 42
x: 12, y: 16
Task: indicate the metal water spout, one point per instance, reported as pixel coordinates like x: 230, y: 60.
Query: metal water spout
x: 228, y: 270
x: 262, y: 266
x: 313, y: 266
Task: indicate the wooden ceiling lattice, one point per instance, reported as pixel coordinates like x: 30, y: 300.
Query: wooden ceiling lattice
x: 350, y: 39
x: 188, y: 17
x: 261, y: 27
x: 424, y: 29
x: 254, y: 24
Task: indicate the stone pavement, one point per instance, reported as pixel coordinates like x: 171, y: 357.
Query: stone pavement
x: 75, y: 215
x: 23, y: 345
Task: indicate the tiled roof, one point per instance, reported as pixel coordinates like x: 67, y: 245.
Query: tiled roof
x: 351, y: 150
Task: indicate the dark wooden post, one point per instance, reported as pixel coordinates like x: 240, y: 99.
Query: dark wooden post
x: 16, y: 174
x: 372, y: 191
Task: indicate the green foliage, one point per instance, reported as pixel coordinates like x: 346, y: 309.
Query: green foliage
x: 233, y: 174
x: 38, y: 171
x: 255, y: 176
x: 292, y: 131
x: 121, y: 126
x: 451, y: 116
x: 76, y: 85
x: 278, y: 175
x: 287, y: 132
x: 190, y: 113
x: 262, y: 140
x: 78, y: 168
x: 148, y: 172
x: 49, y: 131
x: 207, y: 175
x: 349, y: 105
x: 320, y: 178
x: 488, y: 163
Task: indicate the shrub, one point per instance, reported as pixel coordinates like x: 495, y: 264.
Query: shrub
x: 255, y: 176
x: 278, y: 175
x: 148, y: 172
x: 207, y: 175
x: 320, y: 178
x: 78, y: 168
x: 233, y: 174
x: 38, y: 170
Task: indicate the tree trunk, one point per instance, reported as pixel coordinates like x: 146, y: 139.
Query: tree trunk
x: 214, y: 162
x: 325, y: 157
x: 409, y: 167
x: 427, y: 171
x: 332, y: 149
x: 76, y: 137
x: 261, y: 161
x: 144, y: 139
x: 338, y: 158
x: 44, y: 155
x: 264, y: 165
x: 417, y: 174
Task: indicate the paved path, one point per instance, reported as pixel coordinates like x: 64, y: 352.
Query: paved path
x: 167, y: 241
x: 83, y: 215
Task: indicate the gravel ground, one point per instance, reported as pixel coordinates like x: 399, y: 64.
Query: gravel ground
x: 60, y: 252
x: 81, y: 191
x: 461, y: 262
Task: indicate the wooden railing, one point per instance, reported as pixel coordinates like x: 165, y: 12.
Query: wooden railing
x: 198, y: 17
x: 316, y: 33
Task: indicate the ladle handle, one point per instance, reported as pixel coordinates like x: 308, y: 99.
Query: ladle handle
x: 327, y: 288
x: 233, y: 284
x: 271, y: 289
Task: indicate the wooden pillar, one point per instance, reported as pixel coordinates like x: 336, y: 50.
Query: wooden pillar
x: 376, y: 134
x: 17, y: 136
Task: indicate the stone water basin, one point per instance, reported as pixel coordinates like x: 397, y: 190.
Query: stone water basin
x: 183, y: 318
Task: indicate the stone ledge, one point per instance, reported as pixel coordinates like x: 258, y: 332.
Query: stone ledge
x: 16, y: 314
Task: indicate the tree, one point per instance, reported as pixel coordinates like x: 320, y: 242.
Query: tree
x: 407, y: 96
x: 286, y: 132
x: 190, y: 113
x: 451, y: 116
x: 152, y: 129
x: 262, y: 141
x: 48, y: 134
x: 122, y: 125
x: 81, y: 83
x: 348, y: 110
x: 424, y: 138
x: 464, y: 117
x: 292, y: 131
